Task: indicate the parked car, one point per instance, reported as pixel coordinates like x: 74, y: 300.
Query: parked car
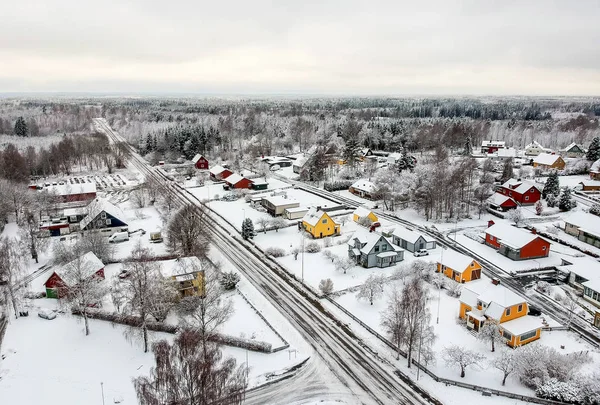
x: 421, y: 252
x: 118, y: 237
x: 123, y: 274
x: 274, y: 168
x: 156, y: 237
x: 47, y: 314
x: 374, y: 226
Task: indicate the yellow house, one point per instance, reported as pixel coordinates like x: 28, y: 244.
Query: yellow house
x: 484, y: 299
x: 187, y: 273
x: 319, y: 224
x: 362, y: 212
x: 458, y: 267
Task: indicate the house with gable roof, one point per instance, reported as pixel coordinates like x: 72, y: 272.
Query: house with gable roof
x: 362, y: 212
x: 584, y: 226
x: 547, y: 161
x: 501, y: 202
x: 187, y: 273
x: 492, y: 146
x: 516, y: 243
x: 535, y: 148
x: 72, y: 273
x: 103, y: 216
x: 484, y: 300
x: 218, y: 173
x: 523, y: 192
x: 319, y: 224
x: 458, y: 267
x: 363, y: 188
x: 373, y: 250
x: 200, y: 162
x: 236, y: 181
x: 411, y: 240
x: 572, y: 150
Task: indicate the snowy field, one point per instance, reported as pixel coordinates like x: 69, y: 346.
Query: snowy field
x: 214, y: 191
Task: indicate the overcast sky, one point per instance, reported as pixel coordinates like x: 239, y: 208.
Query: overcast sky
x: 345, y: 47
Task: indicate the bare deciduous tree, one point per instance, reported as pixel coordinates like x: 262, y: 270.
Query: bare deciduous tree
x: 188, y: 373
x: 455, y: 355
x: 139, y: 196
x: 507, y: 362
x: 187, y: 232
x: 344, y: 264
x: 263, y: 222
x: 372, y: 288
x: 490, y: 332
x: 406, y: 319
x: 12, y: 268
x: 147, y: 292
x: 278, y: 223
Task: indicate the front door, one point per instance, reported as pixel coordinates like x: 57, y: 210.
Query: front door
x: 321, y: 235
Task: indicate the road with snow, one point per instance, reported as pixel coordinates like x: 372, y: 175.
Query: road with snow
x: 370, y: 379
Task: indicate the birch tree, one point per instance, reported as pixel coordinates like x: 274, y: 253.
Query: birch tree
x: 455, y: 355
x: 507, y: 362
x: 12, y: 268
x: 490, y: 333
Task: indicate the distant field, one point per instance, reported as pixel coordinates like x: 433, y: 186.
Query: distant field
x: 22, y: 143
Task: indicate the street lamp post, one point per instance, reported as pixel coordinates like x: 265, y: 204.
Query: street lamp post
x: 302, y: 236
x: 440, y: 285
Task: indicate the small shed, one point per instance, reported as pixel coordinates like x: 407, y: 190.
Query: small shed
x: 260, y: 185
x: 69, y: 275
x: 237, y: 181
x: 295, y: 213
x: 276, y: 205
x: 200, y: 162
x: 590, y: 185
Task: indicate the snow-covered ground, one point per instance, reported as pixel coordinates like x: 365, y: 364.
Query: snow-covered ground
x: 211, y: 190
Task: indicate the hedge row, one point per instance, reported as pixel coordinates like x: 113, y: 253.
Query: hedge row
x: 337, y: 185
x: 135, y: 321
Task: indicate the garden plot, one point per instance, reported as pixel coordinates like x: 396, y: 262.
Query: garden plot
x: 450, y: 330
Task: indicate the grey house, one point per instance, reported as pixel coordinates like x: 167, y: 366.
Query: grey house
x: 373, y: 250
x: 411, y: 240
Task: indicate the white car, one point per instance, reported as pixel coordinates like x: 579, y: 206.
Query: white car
x: 421, y: 252
x: 47, y: 314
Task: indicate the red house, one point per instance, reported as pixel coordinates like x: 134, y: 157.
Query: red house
x: 219, y: 173
x: 501, y: 202
x: 516, y: 243
x: 83, y: 268
x: 523, y: 192
x: 200, y: 162
x: 237, y: 181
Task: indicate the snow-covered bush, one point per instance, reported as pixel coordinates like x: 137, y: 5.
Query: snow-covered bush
x: 312, y: 247
x: 365, y: 221
x: 454, y: 289
x: 274, y: 251
x: 543, y: 287
x: 337, y: 185
x: 329, y: 255
x: 560, y: 391
x: 595, y: 209
x: 229, y: 280
x: 326, y: 286
x: 327, y: 242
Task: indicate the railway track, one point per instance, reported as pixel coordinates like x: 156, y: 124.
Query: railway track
x: 352, y: 361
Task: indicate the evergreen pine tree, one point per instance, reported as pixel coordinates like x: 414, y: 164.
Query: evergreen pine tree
x: 593, y: 152
x: 350, y: 151
x: 468, y: 147
x: 595, y: 209
x: 149, y: 144
x: 566, y: 202
x: 552, y: 186
x: 155, y: 143
x: 247, y: 229
x: 21, y: 127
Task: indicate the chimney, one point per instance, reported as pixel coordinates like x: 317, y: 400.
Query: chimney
x: 490, y: 223
x: 534, y: 231
x: 495, y: 281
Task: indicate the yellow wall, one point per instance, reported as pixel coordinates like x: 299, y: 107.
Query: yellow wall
x: 516, y: 340
x: 197, y: 282
x: 464, y: 308
x: 327, y: 229
x: 467, y: 274
x: 514, y: 313
x: 371, y: 216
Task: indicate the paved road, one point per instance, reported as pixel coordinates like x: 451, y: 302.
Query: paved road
x: 357, y: 367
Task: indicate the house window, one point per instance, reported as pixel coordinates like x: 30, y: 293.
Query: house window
x: 528, y: 335
x: 506, y: 335
x: 324, y: 221
x: 520, y: 308
x: 376, y: 249
x: 510, y: 193
x: 531, y: 191
x: 384, y: 247
x: 108, y: 221
x: 491, y: 238
x: 526, y: 198
x: 103, y: 215
x: 543, y: 247
x: 507, y: 311
x: 472, y: 264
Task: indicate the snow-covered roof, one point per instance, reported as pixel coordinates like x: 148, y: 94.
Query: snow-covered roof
x: 80, y: 268
x: 534, y: 145
x: 506, y: 152
x: 590, y: 183
x: 362, y: 212
x: 583, y: 266
x: 510, y: 236
x: 520, y: 186
x: 182, y: 266
x: 498, y: 199
x: 546, y: 159
x: 313, y: 216
x: 409, y: 235
x: 595, y: 167
x: 300, y: 162
x: 217, y: 170
x: 593, y: 284
x: 497, y: 297
x: 493, y: 143
x: 571, y: 146
x: 364, y: 151
x: 387, y: 254
x: 197, y: 158
x: 454, y: 260
x: 584, y: 220
x: 233, y: 178
x: 364, y: 185
x: 522, y: 325
x: 73, y: 211
x: 296, y: 209
x: 99, y: 205
x: 279, y: 200
x: 71, y: 189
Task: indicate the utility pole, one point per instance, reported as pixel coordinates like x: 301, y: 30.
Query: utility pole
x: 102, y: 389
x: 302, y: 235
x: 440, y: 285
